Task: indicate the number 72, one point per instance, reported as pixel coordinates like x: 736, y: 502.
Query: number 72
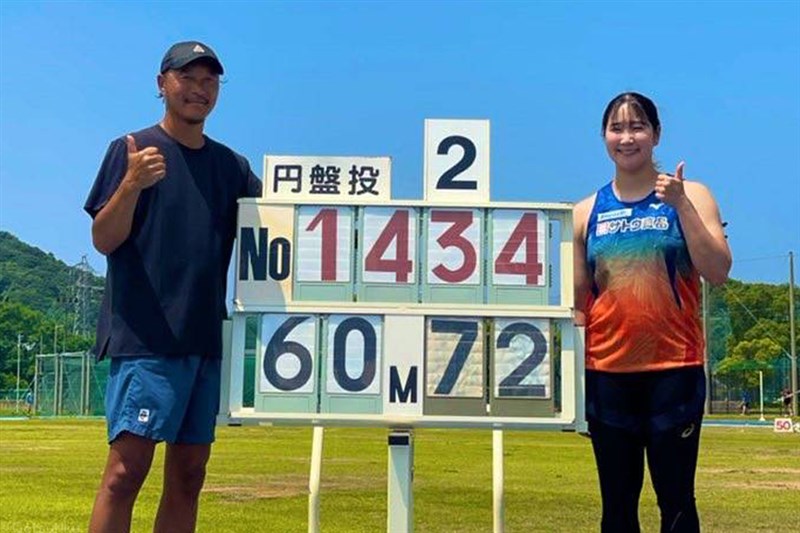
x: 519, y: 356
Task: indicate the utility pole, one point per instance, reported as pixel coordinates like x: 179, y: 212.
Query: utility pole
x: 792, y: 340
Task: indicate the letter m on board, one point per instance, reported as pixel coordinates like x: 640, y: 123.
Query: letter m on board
x: 399, y: 392
x: 253, y: 254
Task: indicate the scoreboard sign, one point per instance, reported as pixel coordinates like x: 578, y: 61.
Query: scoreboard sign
x: 355, y: 309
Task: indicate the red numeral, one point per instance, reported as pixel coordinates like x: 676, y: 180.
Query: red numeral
x: 461, y: 221
x: 401, y: 265
x: 329, y: 221
x: 527, y: 231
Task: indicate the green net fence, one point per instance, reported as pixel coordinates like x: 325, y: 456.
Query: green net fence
x: 74, y: 384
x: 97, y: 389
x: 69, y: 384
x: 749, y: 346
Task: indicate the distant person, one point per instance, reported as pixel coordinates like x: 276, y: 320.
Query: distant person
x: 745, y: 403
x: 164, y: 208
x: 28, y: 403
x: 786, y: 402
x: 642, y: 241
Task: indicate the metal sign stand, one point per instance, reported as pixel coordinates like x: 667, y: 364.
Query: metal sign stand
x: 314, y: 480
x: 400, y: 481
x: 400, y: 518
x: 498, y: 496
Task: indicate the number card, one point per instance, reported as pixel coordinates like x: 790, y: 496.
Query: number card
x: 454, y: 246
x: 353, y: 363
x: 455, y: 378
x: 521, y: 358
x: 518, y: 247
x: 355, y: 350
x: 388, y: 263
x: 457, y: 161
x: 288, y: 362
x: 328, y: 180
x: 390, y: 244
x: 518, y: 272
x: 454, y: 352
x: 324, y: 244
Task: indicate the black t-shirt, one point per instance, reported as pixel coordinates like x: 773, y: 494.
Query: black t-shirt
x: 165, y: 284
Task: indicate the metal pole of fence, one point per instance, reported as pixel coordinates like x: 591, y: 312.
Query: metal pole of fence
x: 19, y: 349
x: 84, y: 384
x: 35, y: 407
x: 793, y: 340
x: 57, y: 384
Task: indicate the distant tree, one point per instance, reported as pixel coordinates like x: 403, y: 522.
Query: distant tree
x: 749, y: 357
x: 743, y: 313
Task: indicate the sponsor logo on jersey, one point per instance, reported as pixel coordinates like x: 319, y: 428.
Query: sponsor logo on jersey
x: 617, y: 213
x: 611, y: 227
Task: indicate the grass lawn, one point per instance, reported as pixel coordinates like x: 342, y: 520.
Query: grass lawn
x: 748, y: 480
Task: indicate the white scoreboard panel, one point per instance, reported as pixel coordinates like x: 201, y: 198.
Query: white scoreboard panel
x: 412, y: 252
x: 453, y: 311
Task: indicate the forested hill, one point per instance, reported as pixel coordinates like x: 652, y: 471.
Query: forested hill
x: 38, y: 311
x: 41, y: 282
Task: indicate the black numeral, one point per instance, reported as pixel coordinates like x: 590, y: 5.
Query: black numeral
x: 447, y: 180
x: 363, y: 381
x: 511, y: 385
x: 468, y: 332
x: 278, y: 345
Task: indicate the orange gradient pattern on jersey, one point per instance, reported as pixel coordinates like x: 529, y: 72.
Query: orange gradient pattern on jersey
x: 636, y: 324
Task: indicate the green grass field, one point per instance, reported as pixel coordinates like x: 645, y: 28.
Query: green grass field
x: 748, y: 480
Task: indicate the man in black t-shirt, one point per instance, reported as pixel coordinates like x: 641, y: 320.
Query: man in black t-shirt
x: 164, y: 215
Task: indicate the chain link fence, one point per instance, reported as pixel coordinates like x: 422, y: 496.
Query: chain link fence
x: 749, y: 347
x: 69, y: 384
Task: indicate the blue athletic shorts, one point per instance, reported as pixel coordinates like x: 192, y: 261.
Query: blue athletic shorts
x: 171, y: 399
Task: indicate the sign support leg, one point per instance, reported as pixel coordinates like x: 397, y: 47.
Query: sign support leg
x: 400, y: 479
x: 498, y: 506
x: 314, y: 480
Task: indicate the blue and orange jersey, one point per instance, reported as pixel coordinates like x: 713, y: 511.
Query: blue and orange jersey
x: 643, y: 309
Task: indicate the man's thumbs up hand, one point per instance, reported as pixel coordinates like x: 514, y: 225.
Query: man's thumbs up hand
x: 146, y: 167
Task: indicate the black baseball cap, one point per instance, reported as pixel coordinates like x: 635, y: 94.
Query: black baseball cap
x: 181, y: 54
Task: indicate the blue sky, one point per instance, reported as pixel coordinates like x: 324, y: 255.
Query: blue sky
x: 359, y: 78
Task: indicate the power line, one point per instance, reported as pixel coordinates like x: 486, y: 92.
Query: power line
x: 761, y: 258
